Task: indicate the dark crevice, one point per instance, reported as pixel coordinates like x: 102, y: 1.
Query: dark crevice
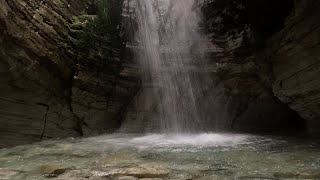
x: 45, y: 119
x: 263, y: 17
x: 267, y: 17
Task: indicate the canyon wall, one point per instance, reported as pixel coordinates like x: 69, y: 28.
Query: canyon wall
x: 295, y: 57
x: 241, y: 85
x: 269, y: 61
x: 44, y: 93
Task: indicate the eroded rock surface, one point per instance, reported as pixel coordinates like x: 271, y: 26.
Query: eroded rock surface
x: 296, y: 62
x: 281, y: 45
x: 43, y: 93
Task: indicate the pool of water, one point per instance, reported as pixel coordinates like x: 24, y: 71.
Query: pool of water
x: 158, y: 156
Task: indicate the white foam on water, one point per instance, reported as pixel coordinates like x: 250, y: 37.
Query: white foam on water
x: 169, y: 141
x: 189, y: 139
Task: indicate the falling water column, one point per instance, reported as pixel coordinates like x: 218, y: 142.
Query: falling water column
x: 166, y: 39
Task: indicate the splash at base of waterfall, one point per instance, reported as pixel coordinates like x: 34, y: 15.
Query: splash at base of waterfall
x: 176, y: 141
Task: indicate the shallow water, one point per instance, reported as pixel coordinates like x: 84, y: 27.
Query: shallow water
x: 132, y: 156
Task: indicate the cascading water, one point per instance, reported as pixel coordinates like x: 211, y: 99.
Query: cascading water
x: 167, y: 42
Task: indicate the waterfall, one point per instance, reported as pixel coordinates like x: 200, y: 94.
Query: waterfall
x: 170, y: 50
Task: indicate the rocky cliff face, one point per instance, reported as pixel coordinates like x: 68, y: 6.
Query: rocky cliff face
x: 295, y: 56
x: 269, y: 57
x: 43, y: 93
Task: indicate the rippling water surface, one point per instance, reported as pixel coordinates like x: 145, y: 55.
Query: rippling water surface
x: 158, y: 156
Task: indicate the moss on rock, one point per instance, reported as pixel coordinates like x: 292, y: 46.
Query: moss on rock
x: 94, y: 40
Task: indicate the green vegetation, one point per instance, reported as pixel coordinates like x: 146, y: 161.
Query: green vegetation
x: 95, y: 40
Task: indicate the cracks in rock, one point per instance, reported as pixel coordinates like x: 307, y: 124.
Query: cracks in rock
x: 298, y: 72
x: 107, y: 99
x: 79, y: 121
x: 45, y: 119
x: 240, y: 109
x: 125, y: 103
x: 297, y: 41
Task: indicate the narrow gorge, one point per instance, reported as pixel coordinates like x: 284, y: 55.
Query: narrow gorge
x: 159, y: 89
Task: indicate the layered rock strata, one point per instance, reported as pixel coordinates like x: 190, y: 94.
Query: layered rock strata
x: 43, y: 93
x: 295, y: 58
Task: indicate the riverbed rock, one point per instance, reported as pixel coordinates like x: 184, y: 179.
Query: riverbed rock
x: 147, y: 171
x: 52, y: 170
x: 80, y: 174
x: 291, y: 175
x: 7, y: 173
x: 127, y: 178
x: 152, y: 171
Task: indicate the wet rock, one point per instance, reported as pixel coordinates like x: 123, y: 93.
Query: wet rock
x: 213, y: 177
x: 76, y: 175
x: 139, y: 171
x: 254, y: 178
x: 101, y: 174
x: 64, y: 146
x: 52, y: 170
x: 291, y: 175
x: 7, y: 173
x: 147, y: 171
x: 127, y: 178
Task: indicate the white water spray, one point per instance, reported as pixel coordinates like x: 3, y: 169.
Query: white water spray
x: 170, y: 50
